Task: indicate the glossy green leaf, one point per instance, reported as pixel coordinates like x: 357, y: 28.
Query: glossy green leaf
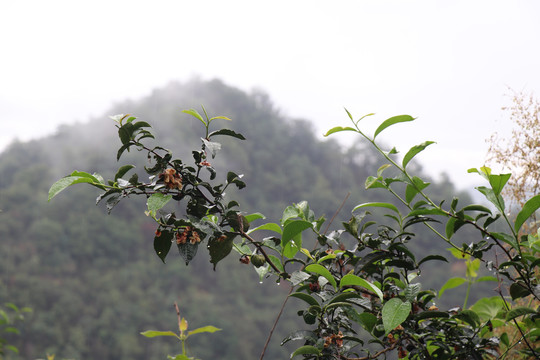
x: 488, y: 308
x: 373, y: 182
x: 432, y: 257
x: 122, y: 171
x: 306, y: 350
x: 498, y: 182
x: 519, y: 290
x: 292, y: 229
x: 391, y: 121
x: 477, y: 208
x: 277, y: 262
x: 227, y: 132
x: 490, y: 195
x: 518, y: 311
x: 321, y: 270
x: 394, y: 312
x: 220, y: 117
x: 377, y: 204
x: 156, y: 201
x: 469, y: 317
x: 306, y: 297
x: 529, y: 209
x: 204, y: 329
x: 338, y: 129
x: 77, y: 177
x: 195, y: 114
x: 268, y: 226
x: 414, y: 188
x: 220, y: 249
x: 451, y: 283
x: 162, y: 244
x: 353, y: 280
x: 254, y: 216
x: 414, y: 151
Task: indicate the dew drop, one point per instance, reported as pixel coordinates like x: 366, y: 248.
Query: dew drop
x: 260, y: 282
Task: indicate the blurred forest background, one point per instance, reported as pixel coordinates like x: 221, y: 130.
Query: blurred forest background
x: 93, y: 280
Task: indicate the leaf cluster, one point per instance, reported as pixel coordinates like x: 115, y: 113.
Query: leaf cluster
x: 360, y: 283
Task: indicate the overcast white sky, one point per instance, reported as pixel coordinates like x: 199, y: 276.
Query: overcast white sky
x: 449, y: 63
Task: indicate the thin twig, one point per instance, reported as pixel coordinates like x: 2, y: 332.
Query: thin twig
x: 178, y: 314
x: 275, y: 323
x: 337, y: 212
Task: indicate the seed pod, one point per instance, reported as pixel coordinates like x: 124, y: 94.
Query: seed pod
x: 258, y: 260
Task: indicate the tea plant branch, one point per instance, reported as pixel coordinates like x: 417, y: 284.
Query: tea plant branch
x: 376, y: 355
x: 243, y: 234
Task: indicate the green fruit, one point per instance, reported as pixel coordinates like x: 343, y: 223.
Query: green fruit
x: 258, y: 260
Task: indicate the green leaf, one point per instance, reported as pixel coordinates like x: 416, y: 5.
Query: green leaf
x: 518, y: 290
x: 321, y: 270
x: 452, y: 283
x: 469, y: 317
x: 353, y: 280
x: 195, y: 114
x: 162, y: 244
x: 529, y: 208
x: 519, y: 311
x: 291, y: 231
x: 391, y: 121
x: 497, y: 182
x: 268, y: 226
x: 220, y: 249
x: 122, y: 171
x: 432, y: 257
x: 220, y: 117
x: 306, y: 350
x: 306, y: 297
x: 414, y: 151
x: 77, y: 177
x: 275, y: 260
x: 254, y: 216
x: 188, y: 251
x: 394, y: 312
x: 477, y: 208
x: 377, y: 204
x: 298, y: 277
x: 204, y: 329
x: 367, y: 320
x: 154, y: 333
x: 413, y: 189
x: 490, y: 195
x: 338, y: 129
x: 488, y: 308
x: 156, y: 201
x: 227, y: 132
x: 373, y: 182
